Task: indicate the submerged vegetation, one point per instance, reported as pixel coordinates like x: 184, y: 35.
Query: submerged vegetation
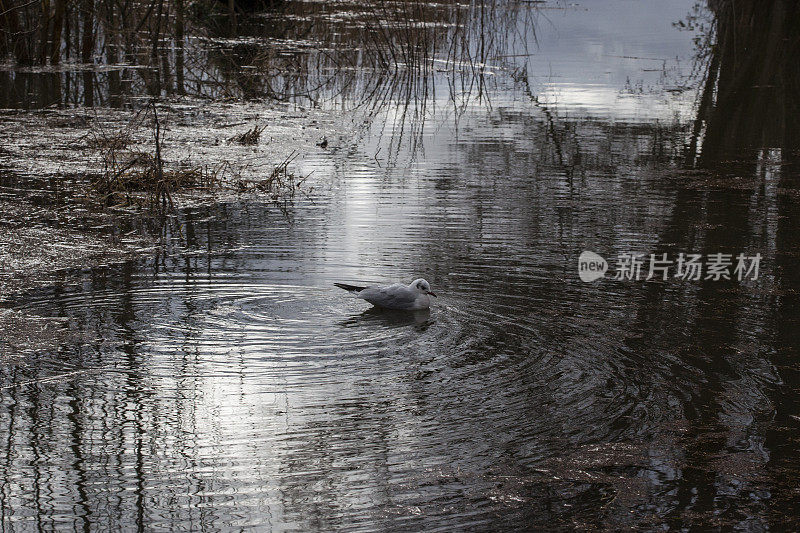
x: 359, y: 54
x: 132, y: 55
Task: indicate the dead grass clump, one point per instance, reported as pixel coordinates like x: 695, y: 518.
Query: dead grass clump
x: 280, y: 186
x: 249, y: 137
x: 114, y: 141
x: 141, y: 178
x: 131, y: 177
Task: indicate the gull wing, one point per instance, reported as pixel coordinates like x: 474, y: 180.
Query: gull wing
x: 350, y: 288
x: 391, y: 297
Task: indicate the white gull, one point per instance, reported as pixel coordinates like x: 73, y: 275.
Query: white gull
x: 411, y: 297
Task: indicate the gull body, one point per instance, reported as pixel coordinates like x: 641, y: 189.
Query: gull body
x: 412, y: 297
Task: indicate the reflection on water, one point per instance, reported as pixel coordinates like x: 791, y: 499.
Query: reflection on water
x: 295, y: 50
x: 750, y: 99
x: 225, y: 383
x: 375, y: 316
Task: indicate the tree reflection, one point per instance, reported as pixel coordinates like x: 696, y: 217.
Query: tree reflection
x: 751, y: 97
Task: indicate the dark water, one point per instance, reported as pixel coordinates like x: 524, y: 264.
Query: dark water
x: 224, y: 384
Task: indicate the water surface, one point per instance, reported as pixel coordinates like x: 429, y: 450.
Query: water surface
x: 223, y: 383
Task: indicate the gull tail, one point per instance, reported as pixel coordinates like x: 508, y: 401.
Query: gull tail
x: 350, y: 288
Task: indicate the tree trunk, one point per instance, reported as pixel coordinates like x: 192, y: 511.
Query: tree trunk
x: 87, y: 47
x: 67, y: 34
x: 55, y: 39
x: 232, y: 17
x: 155, y: 82
x: 87, y: 42
x: 5, y: 33
x: 179, y: 37
x: 10, y: 21
x: 44, y: 32
x: 112, y: 54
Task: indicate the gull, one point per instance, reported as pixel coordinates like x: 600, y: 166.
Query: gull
x: 411, y: 297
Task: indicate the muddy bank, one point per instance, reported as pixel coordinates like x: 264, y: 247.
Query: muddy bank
x: 69, y: 142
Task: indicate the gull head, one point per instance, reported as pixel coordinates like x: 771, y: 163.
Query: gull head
x: 422, y: 286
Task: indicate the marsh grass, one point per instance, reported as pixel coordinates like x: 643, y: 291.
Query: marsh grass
x: 133, y: 176
x: 139, y: 179
x: 359, y: 55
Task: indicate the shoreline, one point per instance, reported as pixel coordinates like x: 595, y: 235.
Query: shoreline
x: 53, y: 226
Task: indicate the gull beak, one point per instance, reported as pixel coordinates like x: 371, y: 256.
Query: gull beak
x: 432, y: 294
